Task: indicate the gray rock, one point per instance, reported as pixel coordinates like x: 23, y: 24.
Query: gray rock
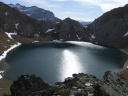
x: 114, y: 85
x: 79, y: 85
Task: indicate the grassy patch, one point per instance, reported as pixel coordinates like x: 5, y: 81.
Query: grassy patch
x: 5, y: 42
x: 5, y: 86
x: 124, y: 73
x: 1, y: 65
x: 24, y: 40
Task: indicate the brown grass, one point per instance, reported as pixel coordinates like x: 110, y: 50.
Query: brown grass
x: 1, y: 65
x: 124, y: 73
x: 24, y: 40
x: 5, y: 42
x: 5, y: 86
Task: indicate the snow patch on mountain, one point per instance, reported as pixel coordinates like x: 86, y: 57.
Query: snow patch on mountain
x: 35, y: 41
x: 126, y: 34
x: 49, y: 30
x: 5, y: 52
x: 36, y: 35
x: 85, y: 26
x: 1, y: 72
x: 78, y: 37
x: 93, y: 37
x: 29, y: 14
x: 1, y: 77
x: 10, y: 34
x: 16, y: 25
x: 18, y: 5
x: 61, y: 39
x: 6, y: 13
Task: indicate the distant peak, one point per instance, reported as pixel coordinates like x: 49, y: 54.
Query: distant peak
x: 11, y: 5
x: 34, y: 6
x: 36, y: 12
x: 17, y: 4
x: 68, y: 18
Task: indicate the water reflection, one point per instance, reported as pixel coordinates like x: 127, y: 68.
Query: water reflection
x: 70, y: 64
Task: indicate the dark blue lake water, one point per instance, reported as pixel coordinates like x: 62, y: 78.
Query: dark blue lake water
x: 54, y: 61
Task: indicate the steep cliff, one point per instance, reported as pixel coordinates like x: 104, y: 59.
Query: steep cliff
x: 37, y: 13
x: 111, y: 29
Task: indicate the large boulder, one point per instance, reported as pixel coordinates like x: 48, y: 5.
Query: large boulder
x: 27, y: 85
x: 114, y: 84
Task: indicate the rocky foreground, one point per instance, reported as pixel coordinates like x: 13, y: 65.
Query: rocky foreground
x: 80, y: 84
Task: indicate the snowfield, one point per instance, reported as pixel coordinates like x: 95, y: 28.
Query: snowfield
x: 10, y: 34
x: 49, y: 30
x: 126, y: 34
x: 0, y: 75
x: 5, y: 52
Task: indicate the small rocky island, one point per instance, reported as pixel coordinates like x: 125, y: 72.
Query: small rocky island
x: 81, y: 84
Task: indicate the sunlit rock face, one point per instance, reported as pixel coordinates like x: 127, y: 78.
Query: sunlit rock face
x: 111, y: 29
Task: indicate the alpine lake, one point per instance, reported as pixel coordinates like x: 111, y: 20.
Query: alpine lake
x: 55, y: 61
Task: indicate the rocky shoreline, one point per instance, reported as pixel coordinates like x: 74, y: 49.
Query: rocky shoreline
x: 112, y: 84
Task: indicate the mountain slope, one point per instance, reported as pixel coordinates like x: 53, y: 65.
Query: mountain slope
x: 5, y: 41
x: 21, y: 24
x: 27, y: 27
x: 17, y: 27
x: 111, y: 29
x: 35, y: 12
x: 69, y: 30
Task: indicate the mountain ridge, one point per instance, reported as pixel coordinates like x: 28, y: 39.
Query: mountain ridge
x: 111, y: 28
x: 36, y: 12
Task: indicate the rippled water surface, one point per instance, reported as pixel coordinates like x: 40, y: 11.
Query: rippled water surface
x: 54, y: 61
